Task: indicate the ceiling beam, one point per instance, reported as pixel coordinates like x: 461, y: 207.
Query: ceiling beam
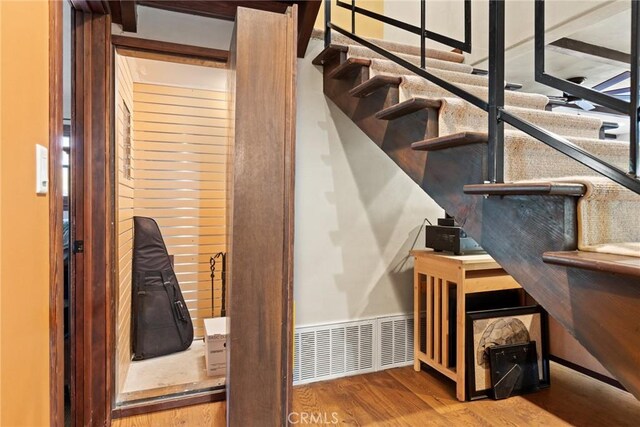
x: 167, y: 48
x: 225, y: 10
x: 589, y: 51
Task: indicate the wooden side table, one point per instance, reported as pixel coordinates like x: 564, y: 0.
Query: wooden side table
x: 436, y: 276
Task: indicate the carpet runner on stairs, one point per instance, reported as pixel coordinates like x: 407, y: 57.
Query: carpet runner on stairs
x: 607, y: 212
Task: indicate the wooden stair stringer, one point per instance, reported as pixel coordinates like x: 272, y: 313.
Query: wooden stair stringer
x: 598, y: 309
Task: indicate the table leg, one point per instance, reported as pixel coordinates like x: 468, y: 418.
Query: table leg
x: 416, y: 320
x: 460, y: 337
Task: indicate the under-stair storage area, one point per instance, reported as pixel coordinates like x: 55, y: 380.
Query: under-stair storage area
x: 172, y: 157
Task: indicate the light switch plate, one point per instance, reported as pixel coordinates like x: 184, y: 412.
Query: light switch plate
x: 42, y: 170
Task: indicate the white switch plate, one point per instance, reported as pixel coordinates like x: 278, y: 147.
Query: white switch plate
x: 42, y: 170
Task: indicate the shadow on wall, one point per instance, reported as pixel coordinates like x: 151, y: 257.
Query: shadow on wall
x: 394, y: 207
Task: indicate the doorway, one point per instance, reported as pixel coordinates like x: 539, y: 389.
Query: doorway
x: 171, y: 156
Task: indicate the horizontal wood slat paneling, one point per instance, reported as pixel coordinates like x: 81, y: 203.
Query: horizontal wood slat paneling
x: 180, y: 91
x: 180, y: 119
x: 180, y: 147
x: 181, y: 153
x: 153, y: 136
x: 178, y: 110
x: 124, y: 222
x: 180, y: 101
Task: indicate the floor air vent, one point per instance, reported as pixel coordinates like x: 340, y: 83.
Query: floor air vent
x: 337, y: 350
x: 333, y: 351
x: 396, y: 341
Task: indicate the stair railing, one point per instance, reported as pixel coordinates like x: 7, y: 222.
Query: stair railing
x: 497, y: 115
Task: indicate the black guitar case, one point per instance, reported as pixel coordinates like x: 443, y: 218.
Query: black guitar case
x: 160, y: 322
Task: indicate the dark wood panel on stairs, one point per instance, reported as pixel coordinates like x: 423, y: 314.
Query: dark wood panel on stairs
x: 526, y: 189
x: 371, y: 85
x: 350, y: 66
x: 408, y: 107
x: 617, y: 264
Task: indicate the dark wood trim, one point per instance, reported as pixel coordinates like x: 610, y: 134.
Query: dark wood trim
x: 181, y: 50
x: 129, y: 15
x: 307, y: 14
x: 350, y: 66
x: 450, y: 141
x: 100, y: 7
x: 407, y: 107
x: 168, y: 403
x: 609, y: 263
x: 588, y: 372
x: 593, y: 52
x: 527, y: 189
x: 259, y: 375
x: 76, y: 261
x: 92, y: 218
x: 373, y: 84
x: 289, y: 208
x: 329, y: 53
x: 219, y: 9
x: 56, y: 251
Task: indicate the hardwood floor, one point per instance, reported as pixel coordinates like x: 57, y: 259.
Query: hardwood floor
x: 401, y: 397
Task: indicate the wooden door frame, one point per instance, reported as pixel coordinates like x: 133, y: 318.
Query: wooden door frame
x: 56, y: 251
x: 92, y: 216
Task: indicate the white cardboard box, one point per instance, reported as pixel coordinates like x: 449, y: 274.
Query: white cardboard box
x: 215, y: 344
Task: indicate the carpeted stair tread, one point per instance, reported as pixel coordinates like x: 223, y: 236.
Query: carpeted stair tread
x: 457, y: 115
x: 401, y: 48
x: 527, y: 159
x: 363, y: 52
x: 607, y: 213
x: 414, y: 86
x: 385, y: 66
x: 605, y: 262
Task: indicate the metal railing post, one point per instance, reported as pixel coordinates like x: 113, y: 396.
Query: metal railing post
x: 353, y: 16
x: 423, y: 25
x: 634, y: 107
x: 496, y: 92
x: 327, y: 22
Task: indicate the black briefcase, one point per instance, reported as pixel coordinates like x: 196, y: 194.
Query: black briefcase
x: 160, y: 321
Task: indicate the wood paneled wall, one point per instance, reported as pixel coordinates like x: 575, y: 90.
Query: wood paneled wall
x: 180, y: 152
x: 124, y: 223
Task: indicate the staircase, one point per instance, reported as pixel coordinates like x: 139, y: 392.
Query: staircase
x: 570, y: 237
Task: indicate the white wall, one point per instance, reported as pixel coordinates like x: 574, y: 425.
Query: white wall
x: 357, y: 215
x: 157, y: 24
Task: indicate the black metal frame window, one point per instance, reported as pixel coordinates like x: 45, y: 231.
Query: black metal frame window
x: 495, y: 105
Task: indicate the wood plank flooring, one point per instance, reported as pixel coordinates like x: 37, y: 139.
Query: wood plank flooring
x: 402, y: 397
